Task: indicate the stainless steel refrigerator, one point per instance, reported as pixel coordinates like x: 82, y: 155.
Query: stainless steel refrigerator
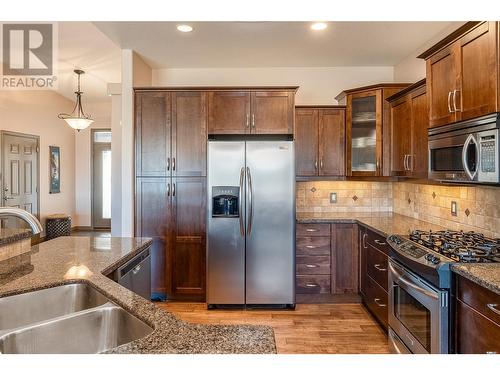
x: 251, y: 223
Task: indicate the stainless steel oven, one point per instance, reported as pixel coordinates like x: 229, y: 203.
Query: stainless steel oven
x: 418, y: 313
x: 467, y: 151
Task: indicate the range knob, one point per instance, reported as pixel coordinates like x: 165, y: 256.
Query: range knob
x: 429, y: 257
x: 435, y: 260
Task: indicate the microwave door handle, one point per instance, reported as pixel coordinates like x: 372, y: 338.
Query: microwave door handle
x: 240, y: 204
x: 470, y: 139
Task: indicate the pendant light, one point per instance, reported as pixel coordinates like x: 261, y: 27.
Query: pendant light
x: 77, y: 119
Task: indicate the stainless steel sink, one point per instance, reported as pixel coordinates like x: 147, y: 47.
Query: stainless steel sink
x: 87, y: 323
x: 22, y: 309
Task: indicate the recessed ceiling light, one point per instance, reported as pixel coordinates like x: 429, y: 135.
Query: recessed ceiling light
x: 319, y: 26
x: 185, y: 28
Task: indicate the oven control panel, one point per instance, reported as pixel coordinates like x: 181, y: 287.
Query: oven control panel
x: 415, y: 251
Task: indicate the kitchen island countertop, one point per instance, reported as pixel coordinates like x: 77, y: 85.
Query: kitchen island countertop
x: 88, y: 259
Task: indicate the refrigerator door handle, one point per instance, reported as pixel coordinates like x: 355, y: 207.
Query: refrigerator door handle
x: 240, y: 200
x: 250, y: 201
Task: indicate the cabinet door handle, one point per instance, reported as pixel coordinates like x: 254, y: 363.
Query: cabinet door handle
x: 492, y: 307
x: 405, y: 166
x: 173, y: 164
x: 364, y: 241
x: 168, y: 164
x: 311, y: 266
x: 316, y: 164
x: 247, y: 120
x: 311, y: 246
x: 173, y: 190
x: 253, y: 120
x: 321, y: 163
x: 410, y: 162
x: 456, y: 109
x: 308, y: 285
x: 311, y: 230
x: 381, y: 243
x: 168, y: 190
x: 379, y: 268
x: 449, y: 102
x: 377, y: 301
x: 491, y: 353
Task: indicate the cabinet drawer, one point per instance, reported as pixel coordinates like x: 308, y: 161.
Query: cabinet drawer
x: 313, y: 284
x: 377, y: 241
x: 376, y: 264
x: 376, y: 300
x: 481, y: 299
x: 313, y: 230
x: 475, y: 333
x: 313, y: 246
x: 313, y: 265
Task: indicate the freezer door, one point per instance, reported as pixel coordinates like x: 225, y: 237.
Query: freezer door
x: 225, y: 240
x: 270, y: 241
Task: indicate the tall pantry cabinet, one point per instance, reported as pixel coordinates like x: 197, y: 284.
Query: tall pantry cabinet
x: 170, y: 189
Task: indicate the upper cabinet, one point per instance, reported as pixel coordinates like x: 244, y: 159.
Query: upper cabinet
x: 462, y: 74
x: 409, y: 126
x: 368, y: 129
x: 320, y: 141
x: 251, y: 111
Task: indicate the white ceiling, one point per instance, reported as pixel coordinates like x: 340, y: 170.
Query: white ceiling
x: 83, y: 46
x: 272, y: 44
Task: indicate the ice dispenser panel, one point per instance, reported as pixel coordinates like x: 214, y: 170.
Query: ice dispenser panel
x: 225, y: 201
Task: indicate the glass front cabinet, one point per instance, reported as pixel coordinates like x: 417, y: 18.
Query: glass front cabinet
x: 368, y: 138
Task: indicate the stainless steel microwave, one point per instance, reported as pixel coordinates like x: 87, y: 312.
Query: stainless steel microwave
x: 466, y: 151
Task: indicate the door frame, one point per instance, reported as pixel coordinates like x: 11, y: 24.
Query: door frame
x: 92, y: 132
x: 4, y: 133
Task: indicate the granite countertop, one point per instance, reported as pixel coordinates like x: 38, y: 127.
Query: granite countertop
x: 88, y: 259
x: 384, y: 223
x: 485, y: 274
x: 8, y: 235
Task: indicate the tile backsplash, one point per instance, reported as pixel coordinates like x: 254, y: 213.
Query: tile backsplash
x: 478, y: 208
x: 352, y: 196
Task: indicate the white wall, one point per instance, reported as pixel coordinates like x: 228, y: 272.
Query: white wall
x: 101, y: 113
x: 35, y: 112
x: 116, y: 162
x: 317, y: 85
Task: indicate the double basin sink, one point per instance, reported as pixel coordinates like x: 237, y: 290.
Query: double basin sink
x: 72, y: 318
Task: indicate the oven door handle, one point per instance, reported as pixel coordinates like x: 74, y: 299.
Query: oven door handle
x: 403, y: 279
x: 470, y: 139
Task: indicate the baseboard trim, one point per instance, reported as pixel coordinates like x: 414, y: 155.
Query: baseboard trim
x: 328, y: 298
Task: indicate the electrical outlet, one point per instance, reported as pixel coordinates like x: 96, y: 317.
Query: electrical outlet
x: 333, y: 197
x: 453, y: 208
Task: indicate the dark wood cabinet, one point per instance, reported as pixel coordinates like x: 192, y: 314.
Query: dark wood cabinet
x: 409, y: 124
x: 327, y: 263
x: 320, y: 141
x: 170, y: 196
x: 189, y: 133
x: 188, y: 237
x: 368, y: 129
x: 251, y: 111
x: 373, y: 273
x: 152, y: 134
x: 477, y: 323
x: 463, y: 74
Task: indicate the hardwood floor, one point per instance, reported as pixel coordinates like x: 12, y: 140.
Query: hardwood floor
x: 311, y: 328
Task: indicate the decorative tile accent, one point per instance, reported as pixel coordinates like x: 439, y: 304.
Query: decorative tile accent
x: 354, y: 198
x: 467, y: 212
x: 409, y: 201
x: 313, y: 189
x: 434, y: 195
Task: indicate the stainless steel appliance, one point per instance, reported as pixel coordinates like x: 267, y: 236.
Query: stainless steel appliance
x: 135, y: 275
x: 421, y: 287
x: 466, y: 151
x: 251, y: 223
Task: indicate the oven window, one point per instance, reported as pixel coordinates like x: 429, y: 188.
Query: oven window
x: 446, y: 159
x: 414, y: 316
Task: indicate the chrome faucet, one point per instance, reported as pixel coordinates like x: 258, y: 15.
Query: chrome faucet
x: 32, y: 221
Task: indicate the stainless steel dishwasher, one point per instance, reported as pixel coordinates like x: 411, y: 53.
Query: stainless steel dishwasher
x: 135, y: 275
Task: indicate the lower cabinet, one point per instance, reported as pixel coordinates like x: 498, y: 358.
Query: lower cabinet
x: 373, y: 274
x: 327, y: 263
x: 172, y: 212
x: 477, y: 321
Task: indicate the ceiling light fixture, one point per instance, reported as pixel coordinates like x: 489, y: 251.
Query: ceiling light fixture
x: 185, y: 28
x: 319, y: 26
x: 77, y: 119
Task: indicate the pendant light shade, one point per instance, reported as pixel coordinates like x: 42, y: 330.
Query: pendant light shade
x: 77, y: 119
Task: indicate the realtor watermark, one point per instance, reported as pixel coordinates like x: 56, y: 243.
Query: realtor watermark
x: 29, y: 56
